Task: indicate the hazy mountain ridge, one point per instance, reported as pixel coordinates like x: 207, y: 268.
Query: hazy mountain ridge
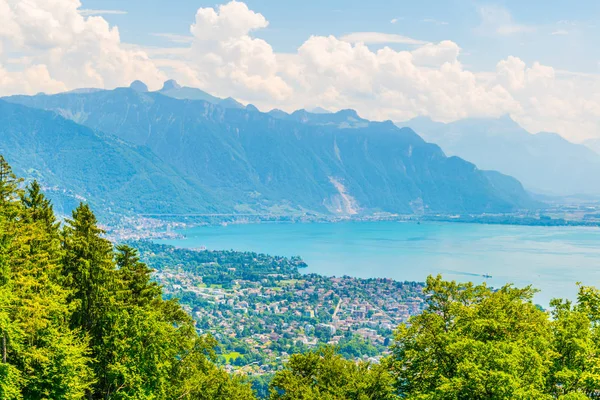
x: 593, y: 144
x: 173, y: 89
x: 544, y: 162
x: 341, y: 119
x: 77, y: 163
x: 328, y: 163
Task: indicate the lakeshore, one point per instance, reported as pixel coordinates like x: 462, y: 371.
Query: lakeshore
x: 551, y: 259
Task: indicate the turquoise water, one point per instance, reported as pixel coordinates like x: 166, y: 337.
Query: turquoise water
x: 552, y: 259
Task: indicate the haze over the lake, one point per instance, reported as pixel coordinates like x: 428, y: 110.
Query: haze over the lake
x: 552, y: 259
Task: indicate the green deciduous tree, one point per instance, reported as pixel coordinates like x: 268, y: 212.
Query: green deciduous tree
x: 576, y: 340
x: 474, y: 343
x: 325, y: 375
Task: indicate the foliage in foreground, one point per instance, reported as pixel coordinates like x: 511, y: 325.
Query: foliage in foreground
x: 476, y: 343
x: 325, y: 375
x: 472, y: 343
x: 81, y: 319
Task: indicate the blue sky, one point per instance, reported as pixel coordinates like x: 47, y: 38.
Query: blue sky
x: 558, y: 33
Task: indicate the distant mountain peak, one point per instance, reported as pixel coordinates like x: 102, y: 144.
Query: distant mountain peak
x: 301, y: 111
x: 139, y: 86
x: 319, y: 110
x: 544, y: 162
x: 507, y: 120
x: 230, y: 102
x: 252, y: 108
x: 343, y: 119
x: 506, y: 117
x: 421, y: 118
x: 173, y: 89
x: 348, y: 113
x: 277, y: 113
x: 171, y: 84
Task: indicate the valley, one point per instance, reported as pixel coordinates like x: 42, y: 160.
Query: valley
x: 315, y: 200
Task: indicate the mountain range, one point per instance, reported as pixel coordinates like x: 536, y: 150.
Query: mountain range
x: 545, y: 163
x: 149, y: 152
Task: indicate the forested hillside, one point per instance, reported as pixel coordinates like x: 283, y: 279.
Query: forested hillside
x: 76, y: 163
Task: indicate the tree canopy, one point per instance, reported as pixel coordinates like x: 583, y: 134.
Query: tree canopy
x: 80, y: 318
x: 325, y: 375
x: 474, y: 342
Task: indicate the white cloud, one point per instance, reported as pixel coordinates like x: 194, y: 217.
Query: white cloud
x: 434, y: 21
x: 232, y: 20
x: 554, y: 101
x: 65, y: 49
x: 31, y: 80
x: 511, y: 73
x: 226, y: 58
x: 88, y: 12
x: 560, y: 32
x: 378, y: 38
x: 393, y: 20
x: 344, y: 72
x: 436, y: 54
x: 498, y: 20
x: 389, y: 84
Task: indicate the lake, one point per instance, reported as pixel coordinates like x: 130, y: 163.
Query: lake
x: 552, y: 259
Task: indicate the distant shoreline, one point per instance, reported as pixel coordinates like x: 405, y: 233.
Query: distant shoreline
x: 169, y: 228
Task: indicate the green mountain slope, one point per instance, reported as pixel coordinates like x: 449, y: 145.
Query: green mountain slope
x: 76, y: 163
x: 262, y: 163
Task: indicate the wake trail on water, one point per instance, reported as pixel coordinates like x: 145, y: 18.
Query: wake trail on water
x: 449, y: 271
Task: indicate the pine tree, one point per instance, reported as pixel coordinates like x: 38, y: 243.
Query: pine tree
x: 10, y: 376
x: 135, y: 278
x: 88, y: 271
x: 9, y: 183
x: 39, y: 207
x: 81, y: 320
x: 42, y: 357
x: 87, y: 268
